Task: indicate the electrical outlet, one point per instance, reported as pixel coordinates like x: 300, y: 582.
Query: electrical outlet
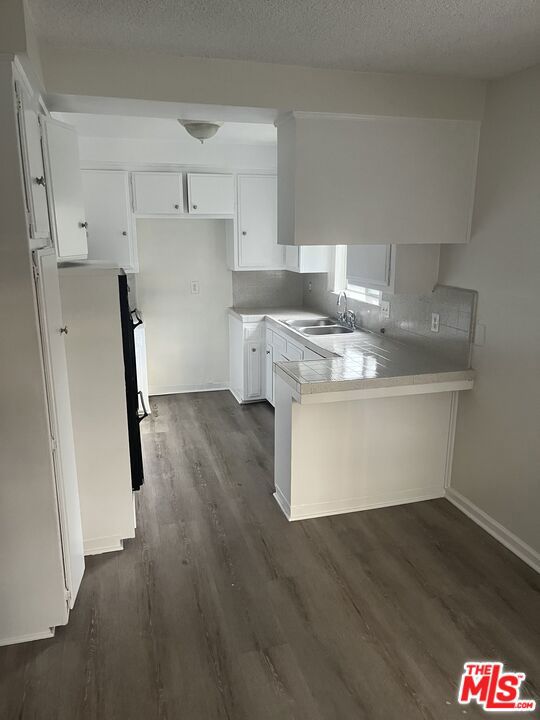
x: 435, y: 318
x: 385, y: 309
x: 195, y: 287
x: 310, y: 286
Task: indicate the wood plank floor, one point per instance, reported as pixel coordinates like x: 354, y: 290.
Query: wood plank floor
x: 220, y: 608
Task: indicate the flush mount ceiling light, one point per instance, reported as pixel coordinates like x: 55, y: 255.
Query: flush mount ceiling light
x: 199, y: 129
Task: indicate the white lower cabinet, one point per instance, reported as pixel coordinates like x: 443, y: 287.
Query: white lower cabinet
x: 269, y: 372
x: 246, y: 359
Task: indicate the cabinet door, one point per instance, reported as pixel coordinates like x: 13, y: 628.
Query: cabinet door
x: 257, y: 222
x: 369, y: 265
x: 158, y: 193
x: 65, y: 191
x: 110, y: 232
x: 211, y: 194
x: 292, y: 257
x: 253, y: 369
x: 269, y: 374
x: 33, y: 168
x: 53, y: 333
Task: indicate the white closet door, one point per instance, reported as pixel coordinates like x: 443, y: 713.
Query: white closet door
x: 65, y: 191
x: 110, y: 232
x: 53, y: 333
x: 34, y: 173
x: 257, y: 222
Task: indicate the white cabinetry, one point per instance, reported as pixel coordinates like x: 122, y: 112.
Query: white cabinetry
x: 246, y: 359
x: 65, y: 191
x: 257, y: 223
x: 210, y: 194
x: 345, y: 180
x: 307, y: 258
x: 33, y: 167
x: 158, y: 193
x: 394, y: 268
x: 111, y: 232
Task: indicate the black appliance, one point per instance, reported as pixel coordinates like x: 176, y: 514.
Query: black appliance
x: 132, y: 391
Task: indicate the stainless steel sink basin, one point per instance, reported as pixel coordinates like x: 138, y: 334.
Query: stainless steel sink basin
x: 311, y: 323
x: 330, y: 330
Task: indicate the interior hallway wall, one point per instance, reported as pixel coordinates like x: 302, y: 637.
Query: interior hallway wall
x: 186, y: 333
x: 497, y: 450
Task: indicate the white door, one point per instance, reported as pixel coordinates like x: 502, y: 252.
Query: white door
x: 34, y: 173
x: 158, y: 193
x: 53, y: 333
x: 253, y: 365
x: 110, y: 233
x: 65, y: 191
x: 269, y: 374
x: 257, y: 222
x: 211, y: 194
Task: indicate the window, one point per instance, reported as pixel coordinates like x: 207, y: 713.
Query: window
x: 354, y: 268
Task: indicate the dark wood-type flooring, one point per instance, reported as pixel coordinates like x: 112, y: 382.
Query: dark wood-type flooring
x: 220, y: 608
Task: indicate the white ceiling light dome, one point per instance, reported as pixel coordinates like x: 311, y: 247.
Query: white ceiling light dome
x: 200, y: 129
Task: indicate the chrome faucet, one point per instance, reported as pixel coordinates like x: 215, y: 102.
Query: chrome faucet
x: 342, y: 315
x: 347, y: 317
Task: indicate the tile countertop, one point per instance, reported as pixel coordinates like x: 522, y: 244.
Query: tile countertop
x: 353, y: 361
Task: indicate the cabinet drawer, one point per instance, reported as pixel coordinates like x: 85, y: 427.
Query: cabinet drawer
x: 253, y: 331
x: 294, y: 352
x: 280, y: 344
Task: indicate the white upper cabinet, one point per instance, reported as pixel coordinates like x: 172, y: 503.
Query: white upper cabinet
x: 210, y: 194
x: 158, y: 193
x: 398, y: 269
x: 33, y: 167
x: 257, y: 223
x: 308, y: 259
x: 111, y: 234
x: 346, y: 180
x: 65, y: 191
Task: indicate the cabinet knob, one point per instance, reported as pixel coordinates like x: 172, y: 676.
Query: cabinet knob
x: 177, y: 207
x: 253, y: 349
x: 124, y: 233
x: 268, y: 352
x: 40, y: 181
x: 64, y: 330
x: 83, y: 225
x: 194, y: 207
x: 244, y: 232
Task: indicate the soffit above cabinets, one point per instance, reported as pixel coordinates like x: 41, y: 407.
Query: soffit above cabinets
x: 346, y: 180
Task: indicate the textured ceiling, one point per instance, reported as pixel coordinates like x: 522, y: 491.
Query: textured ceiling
x: 476, y: 38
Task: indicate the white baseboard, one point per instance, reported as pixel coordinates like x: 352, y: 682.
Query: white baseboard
x: 96, y: 546
x: 283, y: 503
x: 495, y: 529
x: 340, y: 507
x: 180, y: 389
x: 48, y: 633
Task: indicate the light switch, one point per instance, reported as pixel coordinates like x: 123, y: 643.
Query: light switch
x: 385, y: 309
x: 435, y: 318
x: 195, y: 287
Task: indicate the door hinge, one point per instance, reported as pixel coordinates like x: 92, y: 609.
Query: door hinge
x: 67, y: 595
x: 54, y: 444
x: 35, y: 271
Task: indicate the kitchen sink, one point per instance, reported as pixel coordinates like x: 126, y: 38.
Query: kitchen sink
x: 321, y: 322
x: 329, y: 330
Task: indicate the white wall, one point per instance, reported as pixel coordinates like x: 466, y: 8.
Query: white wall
x: 151, y: 76
x: 186, y: 334
x: 132, y: 152
x: 497, y: 451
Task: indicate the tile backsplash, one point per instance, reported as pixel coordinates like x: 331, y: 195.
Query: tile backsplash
x: 272, y: 288
x: 410, y: 317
